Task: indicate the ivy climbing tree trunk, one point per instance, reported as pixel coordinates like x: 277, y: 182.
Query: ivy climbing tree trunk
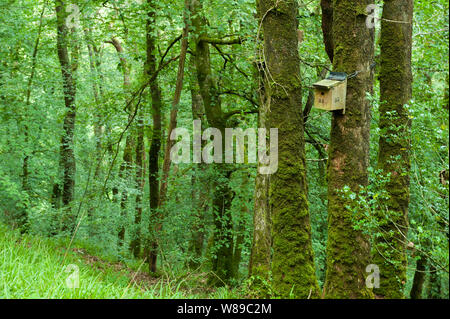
x: 293, y: 259
x: 394, y: 145
x: 174, y: 110
x: 348, y: 249
x: 67, y: 156
x: 327, y: 26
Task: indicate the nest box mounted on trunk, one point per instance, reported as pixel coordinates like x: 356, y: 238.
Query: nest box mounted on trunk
x: 329, y: 94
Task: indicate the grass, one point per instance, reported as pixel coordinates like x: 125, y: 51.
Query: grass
x: 34, y: 267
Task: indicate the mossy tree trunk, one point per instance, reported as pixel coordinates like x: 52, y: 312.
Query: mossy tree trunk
x: 292, y: 260
x: 394, y: 145
x: 260, y: 257
x: 127, y: 163
x: 222, y: 193
x: 135, y: 245
x: 348, y: 250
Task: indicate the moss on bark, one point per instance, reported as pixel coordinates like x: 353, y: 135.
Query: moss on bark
x: 348, y: 250
x: 394, y: 146
x: 293, y: 260
x: 222, y: 264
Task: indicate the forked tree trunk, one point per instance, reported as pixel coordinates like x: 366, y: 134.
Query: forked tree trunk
x: 222, y: 194
x: 125, y: 167
x: 260, y: 257
x: 155, y: 143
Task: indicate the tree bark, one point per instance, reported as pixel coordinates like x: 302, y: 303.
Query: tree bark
x: 222, y: 194
x: 261, y: 255
x: 419, y: 278
x: 348, y: 250
x: 394, y: 145
x: 293, y: 259
x: 327, y: 27
x: 155, y: 143
x: 67, y: 157
x: 175, y: 102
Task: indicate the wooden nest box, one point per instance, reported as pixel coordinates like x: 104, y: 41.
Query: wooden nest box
x: 329, y: 94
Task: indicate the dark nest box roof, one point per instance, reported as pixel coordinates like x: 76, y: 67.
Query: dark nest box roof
x: 337, y: 76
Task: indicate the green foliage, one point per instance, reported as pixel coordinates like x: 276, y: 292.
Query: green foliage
x: 31, y: 265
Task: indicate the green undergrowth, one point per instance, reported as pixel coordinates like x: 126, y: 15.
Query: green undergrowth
x: 34, y: 267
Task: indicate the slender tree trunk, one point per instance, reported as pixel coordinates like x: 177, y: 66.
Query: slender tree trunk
x: 293, y: 259
x: 135, y: 245
x: 222, y: 194
x: 419, y: 278
x: 240, y: 231
x: 155, y: 144
x: 169, y: 143
x: 394, y: 145
x: 446, y: 98
x: 348, y: 250
x: 260, y: 257
x: 98, y: 127
x: 68, y: 69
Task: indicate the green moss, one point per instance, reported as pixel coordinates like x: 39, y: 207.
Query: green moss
x: 348, y: 249
x: 292, y: 261
x: 394, y: 145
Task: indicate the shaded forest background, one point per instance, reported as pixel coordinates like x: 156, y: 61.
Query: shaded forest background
x: 85, y: 111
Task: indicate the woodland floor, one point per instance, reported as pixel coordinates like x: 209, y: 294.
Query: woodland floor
x: 34, y: 267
